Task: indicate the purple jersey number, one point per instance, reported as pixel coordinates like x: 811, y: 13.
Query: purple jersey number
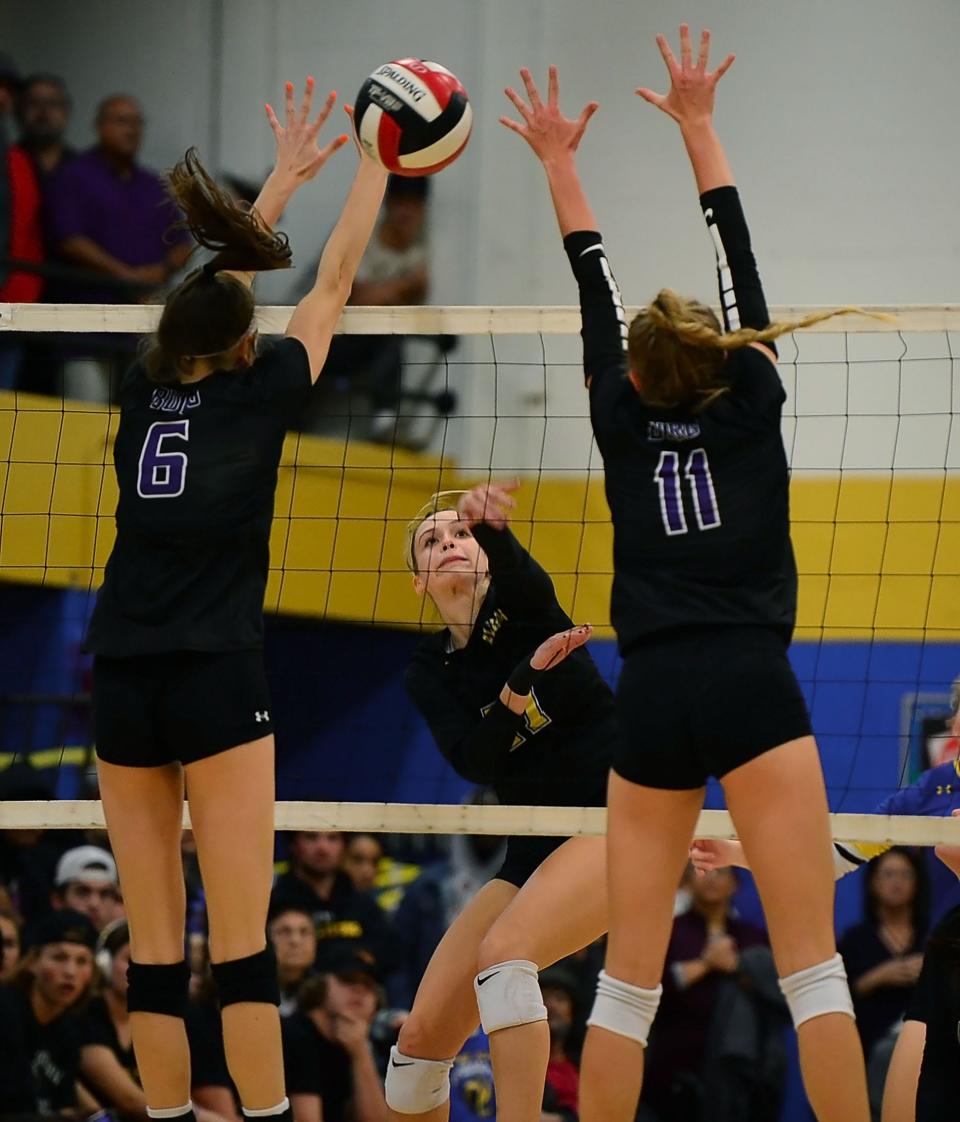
x: 162, y: 473
x: 697, y: 472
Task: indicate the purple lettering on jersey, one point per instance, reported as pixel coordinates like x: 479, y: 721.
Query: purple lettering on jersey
x: 697, y: 473
x: 671, y: 501
x: 162, y: 473
x: 171, y: 399
x: 704, y: 499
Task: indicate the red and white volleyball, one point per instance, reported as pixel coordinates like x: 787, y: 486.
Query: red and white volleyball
x: 412, y: 116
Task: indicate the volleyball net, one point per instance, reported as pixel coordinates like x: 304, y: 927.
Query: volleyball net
x: 871, y: 435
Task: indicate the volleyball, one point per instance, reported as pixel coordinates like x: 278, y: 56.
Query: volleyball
x: 412, y: 117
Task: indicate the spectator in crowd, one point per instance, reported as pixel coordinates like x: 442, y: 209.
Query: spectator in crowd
x: 704, y: 950
x: 21, y: 227
x: 361, y: 860
x: 43, y: 113
x: 40, y: 1038
x: 294, y: 942
x: 10, y: 931
x: 434, y: 900
x: 562, y: 1092
x: 883, y: 955
x: 28, y: 858
x: 316, y: 883
x: 328, y: 1059
x: 111, y: 217
x: 86, y: 881
x: 394, y: 270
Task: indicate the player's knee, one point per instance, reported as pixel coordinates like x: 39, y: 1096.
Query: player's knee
x: 502, y: 943
x: 162, y: 989
x: 419, y: 1036
x: 252, y: 978
x: 623, y: 1008
x: 817, y: 991
x: 508, y: 994
x: 415, y: 1086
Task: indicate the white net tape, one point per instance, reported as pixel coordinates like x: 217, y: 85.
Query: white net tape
x: 143, y: 318
x: 424, y: 818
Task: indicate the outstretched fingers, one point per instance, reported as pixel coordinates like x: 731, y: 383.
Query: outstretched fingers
x: 324, y: 113
x: 290, y: 112
x: 326, y: 152
x: 553, y: 88
x: 519, y: 104
x: 704, y: 56
x: 668, y: 56
x: 531, y: 87
x: 306, y: 101
x: 272, y: 118
x: 686, y: 51
x: 584, y: 119
x: 723, y: 68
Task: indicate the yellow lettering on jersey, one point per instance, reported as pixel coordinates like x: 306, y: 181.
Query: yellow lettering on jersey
x: 535, y: 718
x: 493, y: 625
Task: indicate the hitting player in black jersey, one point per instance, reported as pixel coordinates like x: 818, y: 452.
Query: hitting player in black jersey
x: 179, y: 692
x: 686, y: 414
x: 513, y: 701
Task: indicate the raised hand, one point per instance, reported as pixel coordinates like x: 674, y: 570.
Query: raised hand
x: 490, y: 503
x: 692, y: 86
x: 298, y: 157
x: 544, y: 127
x: 554, y: 650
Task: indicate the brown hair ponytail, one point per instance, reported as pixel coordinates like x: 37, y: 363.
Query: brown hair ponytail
x: 678, y: 348
x: 207, y: 314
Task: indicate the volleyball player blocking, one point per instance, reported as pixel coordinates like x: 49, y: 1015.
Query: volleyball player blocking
x: 686, y: 413
x: 180, y: 697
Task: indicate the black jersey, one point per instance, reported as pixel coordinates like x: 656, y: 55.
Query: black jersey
x: 196, y: 468
x: 558, y: 752
x: 699, y: 500
x: 936, y: 1003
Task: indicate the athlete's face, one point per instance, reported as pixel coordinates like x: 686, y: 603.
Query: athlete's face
x: 62, y: 972
x: 294, y: 940
x: 445, y: 549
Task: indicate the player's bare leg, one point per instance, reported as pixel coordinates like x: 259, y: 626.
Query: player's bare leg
x: 779, y: 805
x: 144, y: 812
x: 648, y: 837
x: 237, y: 786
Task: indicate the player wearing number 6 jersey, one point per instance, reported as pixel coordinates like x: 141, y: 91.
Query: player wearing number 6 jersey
x: 179, y: 692
x: 513, y: 701
x: 686, y: 413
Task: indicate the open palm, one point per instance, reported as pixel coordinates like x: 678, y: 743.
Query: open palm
x: 544, y: 127
x: 298, y: 156
x: 692, y: 85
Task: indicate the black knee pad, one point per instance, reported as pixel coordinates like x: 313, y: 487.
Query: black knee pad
x: 158, y: 989
x: 253, y: 978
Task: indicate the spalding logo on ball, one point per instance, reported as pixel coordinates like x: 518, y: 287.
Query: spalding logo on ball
x: 413, y: 117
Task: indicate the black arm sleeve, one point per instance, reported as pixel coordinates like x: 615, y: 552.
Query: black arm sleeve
x: 603, y: 319
x: 741, y: 293
x: 517, y: 577
x: 476, y: 745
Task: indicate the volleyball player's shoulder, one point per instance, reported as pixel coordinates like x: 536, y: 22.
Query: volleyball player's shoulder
x: 425, y: 665
x: 282, y: 369
x: 752, y: 375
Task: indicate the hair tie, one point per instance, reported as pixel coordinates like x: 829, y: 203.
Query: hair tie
x: 210, y: 270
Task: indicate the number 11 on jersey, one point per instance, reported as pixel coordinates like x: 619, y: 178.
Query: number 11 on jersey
x: 697, y: 473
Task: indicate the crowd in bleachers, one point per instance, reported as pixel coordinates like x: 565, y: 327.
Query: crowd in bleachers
x: 95, y: 226
x: 353, y: 921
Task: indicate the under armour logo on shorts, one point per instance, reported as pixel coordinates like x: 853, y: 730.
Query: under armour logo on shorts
x: 264, y: 716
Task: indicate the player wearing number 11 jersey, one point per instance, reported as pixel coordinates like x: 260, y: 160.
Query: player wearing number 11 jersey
x: 686, y: 414
x: 179, y: 692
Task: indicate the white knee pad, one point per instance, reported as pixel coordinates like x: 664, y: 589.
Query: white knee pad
x: 415, y: 1086
x: 508, y: 994
x: 817, y: 990
x: 623, y: 1008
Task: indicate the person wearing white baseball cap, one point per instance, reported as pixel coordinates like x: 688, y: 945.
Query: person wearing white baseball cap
x: 86, y: 881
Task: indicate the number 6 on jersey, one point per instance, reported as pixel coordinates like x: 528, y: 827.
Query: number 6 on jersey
x: 162, y: 474
x: 697, y: 472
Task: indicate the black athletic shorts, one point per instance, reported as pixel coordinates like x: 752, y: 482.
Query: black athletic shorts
x: 183, y: 706
x: 699, y: 703
x: 525, y: 854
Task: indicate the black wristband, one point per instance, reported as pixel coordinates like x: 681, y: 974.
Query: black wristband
x: 523, y: 676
